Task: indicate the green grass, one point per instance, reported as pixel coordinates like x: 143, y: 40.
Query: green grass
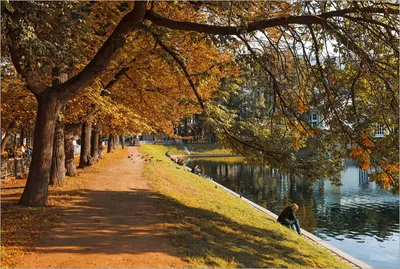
x: 212, y: 228
x: 203, y: 148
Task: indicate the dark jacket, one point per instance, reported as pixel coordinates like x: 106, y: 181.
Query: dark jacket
x: 287, y: 217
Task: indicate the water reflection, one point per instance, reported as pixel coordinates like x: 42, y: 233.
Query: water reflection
x: 358, y: 217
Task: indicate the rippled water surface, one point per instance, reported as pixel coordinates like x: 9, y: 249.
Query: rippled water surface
x: 358, y: 217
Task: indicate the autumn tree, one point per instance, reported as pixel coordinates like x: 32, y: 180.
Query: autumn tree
x: 94, y: 35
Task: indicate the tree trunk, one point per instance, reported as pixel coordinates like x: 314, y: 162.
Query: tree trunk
x: 23, y: 134
x: 69, y: 152
x: 85, y: 159
x: 109, y: 144
x: 7, y: 135
x: 57, y: 174
x: 35, y: 192
x: 29, y: 134
x: 115, y: 141
x: 94, y: 145
x: 100, y: 147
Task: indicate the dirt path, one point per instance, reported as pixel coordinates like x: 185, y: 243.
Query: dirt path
x: 116, y: 225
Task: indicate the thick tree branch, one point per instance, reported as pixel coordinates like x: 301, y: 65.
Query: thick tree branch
x: 106, y: 53
x: 262, y: 24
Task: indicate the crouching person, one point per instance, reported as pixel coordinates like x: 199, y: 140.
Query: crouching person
x: 196, y: 170
x: 288, y: 218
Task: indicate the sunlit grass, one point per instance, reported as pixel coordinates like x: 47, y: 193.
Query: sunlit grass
x: 23, y: 227
x: 214, y: 229
x: 203, y: 148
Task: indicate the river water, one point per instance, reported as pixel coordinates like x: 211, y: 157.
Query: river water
x: 358, y: 217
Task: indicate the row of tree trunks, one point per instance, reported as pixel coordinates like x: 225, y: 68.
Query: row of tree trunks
x: 25, y: 135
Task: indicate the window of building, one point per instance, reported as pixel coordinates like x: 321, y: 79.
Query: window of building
x: 314, y: 120
x: 381, y: 130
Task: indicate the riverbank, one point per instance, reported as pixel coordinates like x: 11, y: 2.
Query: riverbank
x: 216, y: 229
x: 196, y: 149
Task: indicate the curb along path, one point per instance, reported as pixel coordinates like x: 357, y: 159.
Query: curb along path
x: 116, y: 224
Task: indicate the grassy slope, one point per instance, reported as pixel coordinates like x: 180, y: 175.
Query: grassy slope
x: 214, y: 229
x: 205, y: 148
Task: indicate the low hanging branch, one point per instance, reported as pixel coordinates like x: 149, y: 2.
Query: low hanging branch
x: 262, y: 24
x: 178, y: 59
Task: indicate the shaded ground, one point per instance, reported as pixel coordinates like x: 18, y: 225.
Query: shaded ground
x: 115, y: 223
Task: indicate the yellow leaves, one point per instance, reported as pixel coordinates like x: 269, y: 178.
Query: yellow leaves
x: 392, y: 168
x: 384, y: 179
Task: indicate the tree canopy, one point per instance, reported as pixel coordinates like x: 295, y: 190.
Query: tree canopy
x: 146, y: 65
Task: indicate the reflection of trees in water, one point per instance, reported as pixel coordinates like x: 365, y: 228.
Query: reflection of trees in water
x: 355, y: 221
x: 274, y: 190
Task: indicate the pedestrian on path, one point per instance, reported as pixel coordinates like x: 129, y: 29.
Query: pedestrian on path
x: 122, y: 142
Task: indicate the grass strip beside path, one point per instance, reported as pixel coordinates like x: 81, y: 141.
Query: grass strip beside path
x: 23, y: 227
x: 212, y: 228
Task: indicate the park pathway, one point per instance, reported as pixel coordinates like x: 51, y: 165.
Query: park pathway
x: 116, y: 224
